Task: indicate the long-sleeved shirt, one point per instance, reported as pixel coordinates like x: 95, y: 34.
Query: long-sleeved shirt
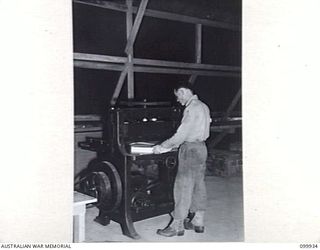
x: 195, y: 124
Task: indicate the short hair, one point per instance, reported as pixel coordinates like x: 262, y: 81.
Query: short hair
x: 185, y: 85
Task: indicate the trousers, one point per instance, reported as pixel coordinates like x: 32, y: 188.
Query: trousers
x: 189, y: 187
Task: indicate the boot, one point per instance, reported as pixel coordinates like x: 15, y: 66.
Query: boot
x: 175, y: 229
x: 187, y: 224
x: 196, y: 224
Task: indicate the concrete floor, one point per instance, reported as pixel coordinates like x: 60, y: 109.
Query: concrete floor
x: 224, y: 219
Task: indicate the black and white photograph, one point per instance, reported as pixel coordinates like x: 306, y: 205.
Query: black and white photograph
x: 158, y: 145
x: 159, y: 121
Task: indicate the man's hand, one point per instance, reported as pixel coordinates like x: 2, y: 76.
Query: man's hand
x: 157, y: 149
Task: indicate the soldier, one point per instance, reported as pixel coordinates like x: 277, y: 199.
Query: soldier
x: 189, y: 187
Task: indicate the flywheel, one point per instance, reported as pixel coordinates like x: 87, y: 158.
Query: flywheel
x: 104, y: 183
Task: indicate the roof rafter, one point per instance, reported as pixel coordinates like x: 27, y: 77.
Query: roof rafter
x: 163, y: 15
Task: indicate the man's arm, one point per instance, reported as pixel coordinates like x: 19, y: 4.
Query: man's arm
x: 183, y: 131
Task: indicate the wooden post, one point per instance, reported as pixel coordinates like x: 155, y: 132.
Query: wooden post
x: 198, y: 46
x: 130, y: 78
x: 198, y: 49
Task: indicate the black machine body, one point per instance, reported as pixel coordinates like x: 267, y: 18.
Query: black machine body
x: 130, y: 182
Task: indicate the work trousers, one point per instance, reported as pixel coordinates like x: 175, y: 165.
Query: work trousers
x: 189, y: 187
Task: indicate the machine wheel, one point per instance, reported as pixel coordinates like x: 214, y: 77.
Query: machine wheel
x: 104, y: 183
x: 139, y: 200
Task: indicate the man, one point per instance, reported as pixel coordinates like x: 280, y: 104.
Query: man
x: 189, y: 186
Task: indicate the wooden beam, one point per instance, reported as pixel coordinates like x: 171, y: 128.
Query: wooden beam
x: 98, y: 65
x: 104, y: 4
x: 119, y: 85
x: 152, y: 62
x: 136, y: 25
x: 194, y: 20
x: 232, y: 104
x: 99, y: 58
x: 130, y: 77
x: 160, y: 70
x: 198, y: 49
x: 220, y: 128
x: 164, y: 15
x: 78, y: 118
x: 146, y: 69
x: 161, y: 63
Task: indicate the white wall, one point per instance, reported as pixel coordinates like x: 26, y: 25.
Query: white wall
x: 36, y: 104
x: 281, y: 111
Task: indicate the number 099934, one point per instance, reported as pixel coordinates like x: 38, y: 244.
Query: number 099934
x: 308, y: 245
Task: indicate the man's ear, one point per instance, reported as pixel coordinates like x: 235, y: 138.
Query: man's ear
x: 183, y: 91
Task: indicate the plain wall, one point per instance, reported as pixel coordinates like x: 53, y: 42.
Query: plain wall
x: 36, y: 102
x: 281, y: 121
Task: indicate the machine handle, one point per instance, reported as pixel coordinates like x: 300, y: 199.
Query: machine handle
x: 137, y: 103
x: 94, y: 144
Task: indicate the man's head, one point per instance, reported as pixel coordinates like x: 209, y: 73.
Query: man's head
x: 183, y: 92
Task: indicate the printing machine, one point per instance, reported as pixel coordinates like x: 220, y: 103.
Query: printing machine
x: 129, y: 181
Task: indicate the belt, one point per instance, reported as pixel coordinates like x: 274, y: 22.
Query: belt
x: 193, y: 142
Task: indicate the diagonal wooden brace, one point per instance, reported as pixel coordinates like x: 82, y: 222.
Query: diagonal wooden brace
x: 119, y: 85
x: 136, y: 25
x: 232, y: 104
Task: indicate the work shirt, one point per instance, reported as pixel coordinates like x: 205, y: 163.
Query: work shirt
x: 195, y: 124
